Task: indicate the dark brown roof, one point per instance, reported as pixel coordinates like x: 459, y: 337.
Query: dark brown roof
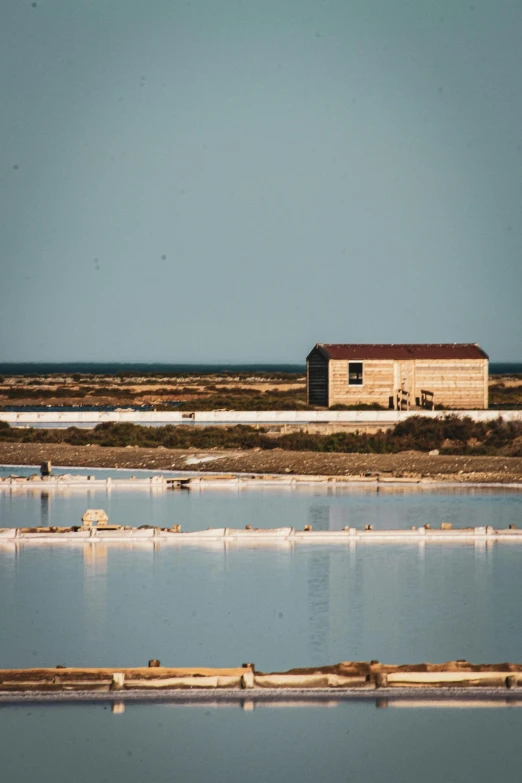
x: 363, y: 351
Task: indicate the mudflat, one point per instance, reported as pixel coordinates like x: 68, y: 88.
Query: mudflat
x: 409, y: 464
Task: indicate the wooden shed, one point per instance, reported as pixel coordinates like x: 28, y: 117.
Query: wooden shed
x: 399, y: 376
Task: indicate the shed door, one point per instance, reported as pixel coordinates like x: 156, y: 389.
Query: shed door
x: 317, y: 380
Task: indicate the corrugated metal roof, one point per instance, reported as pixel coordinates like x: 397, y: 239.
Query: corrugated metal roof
x: 361, y: 351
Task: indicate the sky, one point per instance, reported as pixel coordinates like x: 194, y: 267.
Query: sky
x: 236, y: 180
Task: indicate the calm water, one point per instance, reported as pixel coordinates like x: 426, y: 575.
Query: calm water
x: 28, y: 470
x: 324, y: 508
x: 117, y: 605
x: 279, y: 607
x: 349, y: 742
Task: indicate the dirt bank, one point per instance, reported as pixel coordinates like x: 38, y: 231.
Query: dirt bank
x: 449, y: 468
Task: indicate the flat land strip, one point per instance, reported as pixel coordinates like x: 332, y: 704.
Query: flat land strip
x: 455, y: 468
x: 231, y: 391
x: 192, y: 391
x: 469, y: 451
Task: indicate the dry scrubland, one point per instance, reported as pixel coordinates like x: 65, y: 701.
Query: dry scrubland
x: 232, y: 391
x: 185, y: 391
x: 465, y: 451
x: 468, y: 451
x: 448, y: 434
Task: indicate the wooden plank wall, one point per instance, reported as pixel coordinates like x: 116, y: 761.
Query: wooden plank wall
x: 456, y: 383
x: 378, y: 383
x: 461, y: 384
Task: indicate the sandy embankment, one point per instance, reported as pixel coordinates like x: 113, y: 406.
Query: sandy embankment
x: 442, y: 468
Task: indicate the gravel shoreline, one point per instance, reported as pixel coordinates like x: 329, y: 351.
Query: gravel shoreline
x: 465, y: 469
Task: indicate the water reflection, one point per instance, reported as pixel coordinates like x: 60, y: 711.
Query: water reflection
x: 353, y: 741
x: 322, y: 508
x: 318, y: 584
x: 455, y: 704
x: 95, y: 571
x: 269, y: 702
x: 45, y: 502
x: 326, y: 702
x: 113, y: 604
x: 319, y: 517
x: 280, y: 605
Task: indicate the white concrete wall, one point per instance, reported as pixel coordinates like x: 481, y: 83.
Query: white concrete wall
x: 266, y: 536
x: 89, y: 417
x: 242, y: 417
x: 385, y: 417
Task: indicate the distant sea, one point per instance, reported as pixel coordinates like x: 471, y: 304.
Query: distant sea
x: 111, y: 368
x: 505, y: 368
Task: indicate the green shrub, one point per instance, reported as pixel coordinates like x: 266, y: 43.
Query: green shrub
x: 450, y: 434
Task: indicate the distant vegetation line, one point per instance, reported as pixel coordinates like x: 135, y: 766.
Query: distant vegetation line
x: 449, y: 434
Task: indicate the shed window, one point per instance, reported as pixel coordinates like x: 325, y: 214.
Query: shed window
x: 355, y: 373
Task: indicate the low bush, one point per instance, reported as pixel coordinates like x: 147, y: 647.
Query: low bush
x: 449, y: 434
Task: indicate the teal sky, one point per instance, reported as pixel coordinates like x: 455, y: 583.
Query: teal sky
x: 235, y: 180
